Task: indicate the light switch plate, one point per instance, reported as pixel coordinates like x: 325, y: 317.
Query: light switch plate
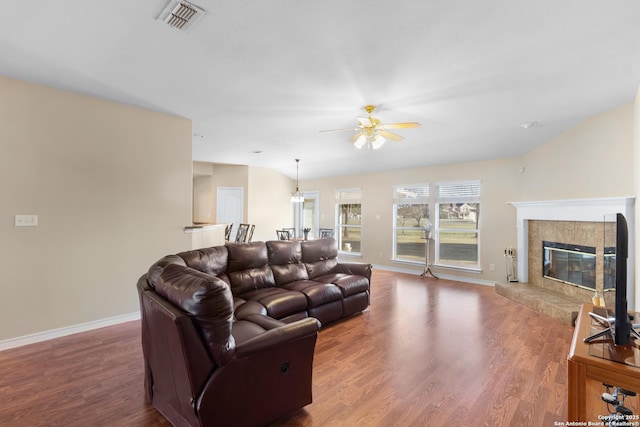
x: 26, y: 220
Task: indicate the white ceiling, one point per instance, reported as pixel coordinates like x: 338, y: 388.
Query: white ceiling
x: 269, y: 75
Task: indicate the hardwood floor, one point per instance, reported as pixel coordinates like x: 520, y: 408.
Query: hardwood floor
x: 426, y: 353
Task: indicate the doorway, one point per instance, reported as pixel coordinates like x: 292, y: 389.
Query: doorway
x: 230, y: 207
x: 307, y: 214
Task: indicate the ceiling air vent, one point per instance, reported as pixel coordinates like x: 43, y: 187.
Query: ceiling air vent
x: 181, y: 14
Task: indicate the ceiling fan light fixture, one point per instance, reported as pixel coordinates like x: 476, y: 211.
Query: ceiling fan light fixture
x: 372, y: 132
x: 359, y: 143
x: 377, y: 142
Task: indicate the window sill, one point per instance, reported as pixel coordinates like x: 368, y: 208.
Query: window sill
x: 407, y: 262
x: 458, y: 268
x: 442, y: 266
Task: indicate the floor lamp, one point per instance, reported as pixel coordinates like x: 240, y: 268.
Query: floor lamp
x: 427, y: 246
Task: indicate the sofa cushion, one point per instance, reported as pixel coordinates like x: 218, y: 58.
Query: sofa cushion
x: 248, y: 308
x: 248, y: 268
x: 349, y: 284
x: 206, y: 298
x: 319, y: 256
x: 317, y: 293
x: 285, y: 258
x: 278, y: 302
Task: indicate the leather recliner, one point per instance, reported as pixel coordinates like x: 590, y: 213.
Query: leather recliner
x: 205, y: 368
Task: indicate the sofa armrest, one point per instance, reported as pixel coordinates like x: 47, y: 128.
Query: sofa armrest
x: 354, y: 268
x: 280, y: 334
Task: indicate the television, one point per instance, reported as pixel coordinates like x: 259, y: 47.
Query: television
x: 616, y: 249
x: 623, y: 328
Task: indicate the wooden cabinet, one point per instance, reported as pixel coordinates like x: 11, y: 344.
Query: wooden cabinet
x: 587, y: 373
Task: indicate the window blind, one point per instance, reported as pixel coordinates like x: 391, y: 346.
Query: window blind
x: 348, y: 196
x: 411, y: 194
x: 454, y: 192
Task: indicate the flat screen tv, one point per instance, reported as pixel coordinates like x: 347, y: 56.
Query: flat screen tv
x: 616, y: 249
x: 622, y: 323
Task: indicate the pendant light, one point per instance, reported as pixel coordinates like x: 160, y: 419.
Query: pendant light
x: 296, y: 196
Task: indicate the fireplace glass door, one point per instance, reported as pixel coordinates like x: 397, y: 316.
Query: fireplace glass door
x: 571, y: 264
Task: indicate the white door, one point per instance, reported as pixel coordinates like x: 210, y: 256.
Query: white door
x: 229, y: 207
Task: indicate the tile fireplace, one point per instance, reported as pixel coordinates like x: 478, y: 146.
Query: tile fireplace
x: 571, y: 232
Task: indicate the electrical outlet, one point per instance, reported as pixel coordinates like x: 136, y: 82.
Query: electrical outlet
x: 381, y: 254
x: 492, y: 267
x: 26, y: 220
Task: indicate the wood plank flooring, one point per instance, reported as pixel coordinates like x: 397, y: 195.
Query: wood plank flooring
x: 426, y: 353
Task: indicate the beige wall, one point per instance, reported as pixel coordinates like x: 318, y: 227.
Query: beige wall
x: 269, y: 205
x: 203, y: 196
x: 111, y: 186
x: 593, y: 159
x: 203, y: 199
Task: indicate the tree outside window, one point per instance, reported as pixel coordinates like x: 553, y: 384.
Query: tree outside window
x: 411, y: 212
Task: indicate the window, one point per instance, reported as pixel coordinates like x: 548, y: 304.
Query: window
x: 348, y: 220
x: 457, y: 232
x: 305, y: 214
x: 411, y: 215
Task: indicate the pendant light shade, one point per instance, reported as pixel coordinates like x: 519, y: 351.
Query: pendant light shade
x: 296, y: 196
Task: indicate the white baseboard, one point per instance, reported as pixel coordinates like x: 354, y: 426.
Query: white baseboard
x: 439, y: 274
x: 69, y: 330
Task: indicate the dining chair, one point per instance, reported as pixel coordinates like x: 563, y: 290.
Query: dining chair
x: 283, y: 235
x: 241, y: 235
x: 250, y: 236
x: 227, y: 232
x: 292, y: 232
x: 323, y: 233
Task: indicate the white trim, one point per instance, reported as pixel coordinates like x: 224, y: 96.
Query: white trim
x: 440, y: 275
x: 68, y: 330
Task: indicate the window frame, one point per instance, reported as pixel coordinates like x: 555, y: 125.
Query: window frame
x: 400, y: 198
x: 471, y: 194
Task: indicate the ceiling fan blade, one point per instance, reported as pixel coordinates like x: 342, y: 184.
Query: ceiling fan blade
x: 389, y: 135
x: 400, y: 125
x: 335, y: 130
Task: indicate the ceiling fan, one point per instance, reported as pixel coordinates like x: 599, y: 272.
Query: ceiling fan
x: 372, y: 132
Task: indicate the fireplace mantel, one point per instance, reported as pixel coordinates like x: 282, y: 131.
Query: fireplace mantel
x: 570, y: 210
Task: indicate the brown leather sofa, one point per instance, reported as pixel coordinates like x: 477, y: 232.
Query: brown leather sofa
x: 228, y: 332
